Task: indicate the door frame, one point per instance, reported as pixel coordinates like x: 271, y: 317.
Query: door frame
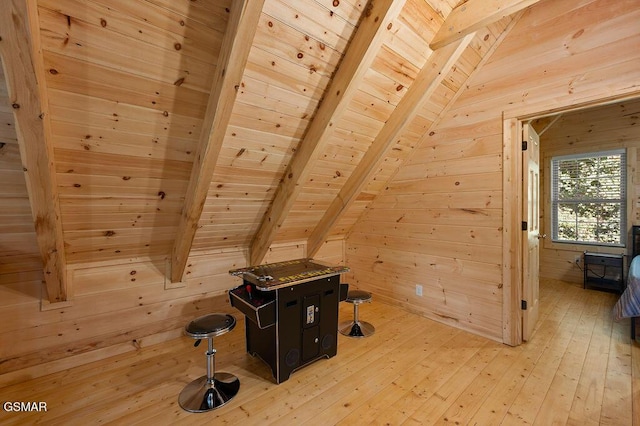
x: 512, y: 235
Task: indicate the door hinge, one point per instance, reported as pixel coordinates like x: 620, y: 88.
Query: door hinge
x: 524, y: 145
x: 523, y: 305
x: 525, y: 226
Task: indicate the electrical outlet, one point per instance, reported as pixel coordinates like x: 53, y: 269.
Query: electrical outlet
x: 418, y: 290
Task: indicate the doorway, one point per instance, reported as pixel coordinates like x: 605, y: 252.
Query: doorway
x: 515, y: 287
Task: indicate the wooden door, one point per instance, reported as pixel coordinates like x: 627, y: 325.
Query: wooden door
x: 531, y: 237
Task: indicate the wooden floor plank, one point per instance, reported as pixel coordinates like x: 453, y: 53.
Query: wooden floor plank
x: 616, y: 402
x: 454, y: 386
x: 394, y: 393
x: 580, y: 368
x: 558, y: 400
x: 506, y: 387
x: 587, y: 399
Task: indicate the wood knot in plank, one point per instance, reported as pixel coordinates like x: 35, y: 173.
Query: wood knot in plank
x: 109, y: 233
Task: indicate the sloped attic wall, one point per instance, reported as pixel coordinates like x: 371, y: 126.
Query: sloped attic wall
x: 127, y: 88
x: 127, y: 85
x: 439, y: 221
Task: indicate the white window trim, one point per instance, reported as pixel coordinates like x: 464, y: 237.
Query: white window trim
x: 623, y: 200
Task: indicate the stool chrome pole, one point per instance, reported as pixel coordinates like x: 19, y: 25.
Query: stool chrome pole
x: 357, y: 328
x: 214, y: 389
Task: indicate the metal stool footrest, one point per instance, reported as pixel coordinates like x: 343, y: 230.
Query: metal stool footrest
x: 212, y: 390
x: 201, y: 395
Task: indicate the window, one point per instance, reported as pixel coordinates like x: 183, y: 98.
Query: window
x: 588, y: 198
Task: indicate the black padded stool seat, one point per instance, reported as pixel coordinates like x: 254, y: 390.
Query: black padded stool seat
x: 357, y: 328
x: 214, y: 389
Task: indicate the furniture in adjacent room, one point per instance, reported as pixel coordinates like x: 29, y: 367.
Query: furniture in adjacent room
x: 628, y: 306
x: 604, y: 271
x: 291, y: 311
x: 357, y: 328
x: 214, y: 389
x: 635, y: 241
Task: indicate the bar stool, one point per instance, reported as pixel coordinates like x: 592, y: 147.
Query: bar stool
x: 214, y: 389
x: 357, y: 328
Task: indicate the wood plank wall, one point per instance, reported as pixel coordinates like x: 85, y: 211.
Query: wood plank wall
x: 596, y: 129
x: 439, y: 222
x: 128, y: 84
x: 118, y: 307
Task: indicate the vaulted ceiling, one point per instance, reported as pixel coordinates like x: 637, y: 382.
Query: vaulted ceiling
x: 162, y: 128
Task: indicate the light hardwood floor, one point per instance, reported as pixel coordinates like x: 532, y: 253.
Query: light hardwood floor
x: 581, y: 368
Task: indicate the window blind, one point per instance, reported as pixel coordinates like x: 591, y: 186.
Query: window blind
x: 588, y: 197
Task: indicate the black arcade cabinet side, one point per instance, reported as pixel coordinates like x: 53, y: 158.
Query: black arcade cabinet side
x: 292, y: 325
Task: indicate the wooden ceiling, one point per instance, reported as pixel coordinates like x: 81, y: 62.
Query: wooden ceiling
x: 157, y: 128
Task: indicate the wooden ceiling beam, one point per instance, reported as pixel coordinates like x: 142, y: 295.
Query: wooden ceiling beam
x: 236, y: 45
x: 357, y: 60
x: 425, y: 84
x: 545, y: 123
x: 350, y: 190
x: 472, y: 15
x: 27, y: 93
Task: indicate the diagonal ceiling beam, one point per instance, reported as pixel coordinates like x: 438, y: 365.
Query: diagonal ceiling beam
x: 27, y: 92
x: 234, y: 53
x: 545, y: 123
x: 318, y: 240
x: 473, y: 15
x: 356, y: 62
x: 425, y: 84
